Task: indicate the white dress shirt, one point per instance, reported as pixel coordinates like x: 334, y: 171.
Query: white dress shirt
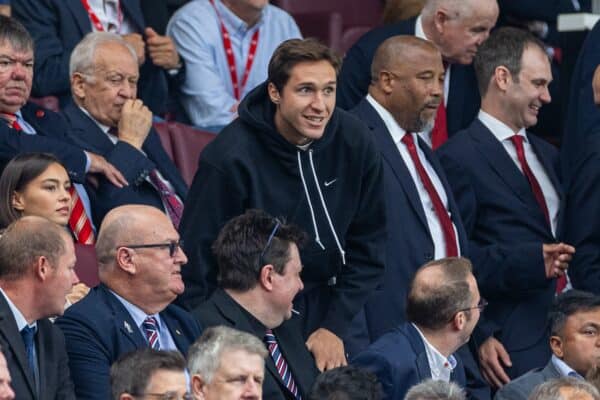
x: 440, y: 366
x: 433, y: 222
x: 503, y: 133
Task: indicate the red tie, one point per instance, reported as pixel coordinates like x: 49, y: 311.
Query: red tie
x: 439, y: 133
x: 438, y: 206
x: 79, y: 222
x: 172, y: 203
x: 11, y: 119
x: 517, y: 140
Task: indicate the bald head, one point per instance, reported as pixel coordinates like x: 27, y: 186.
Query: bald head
x: 398, y: 51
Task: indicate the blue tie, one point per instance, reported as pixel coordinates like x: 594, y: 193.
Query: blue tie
x: 282, y: 368
x: 28, y: 335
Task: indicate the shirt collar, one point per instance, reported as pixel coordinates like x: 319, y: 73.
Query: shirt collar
x: 136, y: 313
x: 434, y: 356
x: 419, y: 32
x: 103, y: 128
x: 395, y: 130
x: 563, y: 368
x: 498, y: 128
x: 19, y: 318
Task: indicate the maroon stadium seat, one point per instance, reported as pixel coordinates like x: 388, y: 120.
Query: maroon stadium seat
x: 188, y: 143
x: 162, y: 128
x: 87, y: 264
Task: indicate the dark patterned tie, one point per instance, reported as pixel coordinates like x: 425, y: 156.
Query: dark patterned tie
x: 150, y: 326
x: 282, y: 368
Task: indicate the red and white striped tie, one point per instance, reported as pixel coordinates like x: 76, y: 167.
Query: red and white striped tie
x: 79, y: 222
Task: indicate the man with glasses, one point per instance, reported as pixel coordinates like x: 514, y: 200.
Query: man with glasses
x: 108, y: 118
x: 139, y: 260
x: 442, y: 309
x: 259, y: 270
x: 149, y: 374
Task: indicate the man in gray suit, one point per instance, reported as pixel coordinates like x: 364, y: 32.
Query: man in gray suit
x: 574, y: 341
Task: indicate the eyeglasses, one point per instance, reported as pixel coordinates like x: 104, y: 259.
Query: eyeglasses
x: 173, y: 245
x: 481, y: 306
x: 167, y: 396
x: 271, y: 236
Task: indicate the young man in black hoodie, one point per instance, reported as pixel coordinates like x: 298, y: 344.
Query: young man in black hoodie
x: 292, y: 154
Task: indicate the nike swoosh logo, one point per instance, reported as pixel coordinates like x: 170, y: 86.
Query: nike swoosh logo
x: 330, y: 182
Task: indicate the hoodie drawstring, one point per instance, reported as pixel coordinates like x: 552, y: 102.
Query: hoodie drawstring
x: 312, y: 212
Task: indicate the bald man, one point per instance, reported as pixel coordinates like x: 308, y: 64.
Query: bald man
x: 140, y: 260
x: 457, y: 28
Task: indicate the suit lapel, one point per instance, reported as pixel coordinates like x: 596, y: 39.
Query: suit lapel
x: 86, y: 133
x: 455, y: 103
x: 180, y: 340
x: 392, y: 156
x: 418, y: 346
x: 134, y: 13
x: 547, y: 164
x: 122, y: 320
x: 81, y: 16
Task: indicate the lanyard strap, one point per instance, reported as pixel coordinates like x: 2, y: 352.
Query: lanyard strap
x: 237, y: 88
x: 96, y: 21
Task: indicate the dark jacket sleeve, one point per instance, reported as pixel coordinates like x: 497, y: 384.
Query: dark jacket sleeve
x: 395, y: 377
x: 65, y: 389
x: 354, y: 79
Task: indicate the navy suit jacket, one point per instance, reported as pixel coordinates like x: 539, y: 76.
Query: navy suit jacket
x: 132, y: 163
x: 399, y: 360
x: 221, y: 309
x: 57, y: 26
x: 355, y: 76
x: 99, y: 329
x: 51, y: 137
x: 409, y: 243
x: 55, y: 380
x: 506, y: 230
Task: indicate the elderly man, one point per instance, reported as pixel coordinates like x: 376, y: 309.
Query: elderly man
x: 443, y: 307
x: 259, y: 276
x: 226, y: 46
x: 457, y: 28
x: 149, y: 373
x: 506, y: 184
x: 565, y: 389
x: 37, y: 262
x: 436, y: 390
x: 57, y: 26
x: 140, y: 273
x: 574, y: 330
x: 227, y: 364
x: 108, y: 119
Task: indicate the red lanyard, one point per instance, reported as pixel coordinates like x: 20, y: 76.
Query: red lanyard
x: 237, y: 88
x: 96, y: 20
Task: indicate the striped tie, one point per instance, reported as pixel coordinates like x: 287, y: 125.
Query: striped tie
x: 282, y: 368
x: 79, y: 222
x: 150, y: 326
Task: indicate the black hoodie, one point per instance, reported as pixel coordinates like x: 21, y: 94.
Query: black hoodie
x: 333, y: 190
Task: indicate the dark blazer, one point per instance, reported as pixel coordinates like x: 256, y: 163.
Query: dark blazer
x: 57, y: 26
x: 221, y: 309
x: 55, y: 380
x: 98, y: 329
x: 132, y: 163
x: 521, y: 388
x: 506, y: 230
x: 582, y: 224
x: 409, y: 243
x: 399, y: 360
x: 51, y: 137
x: 355, y: 76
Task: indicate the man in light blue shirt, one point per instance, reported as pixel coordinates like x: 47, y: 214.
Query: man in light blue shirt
x: 220, y: 72
x: 574, y: 340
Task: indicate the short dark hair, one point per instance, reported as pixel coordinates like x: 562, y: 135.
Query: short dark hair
x: 570, y: 303
x: 294, y: 51
x: 17, y: 174
x: 13, y: 32
x: 27, y: 239
x: 433, y: 305
x: 131, y: 373
x: 346, y: 383
x: 504, y: 47
x: 240, y: 245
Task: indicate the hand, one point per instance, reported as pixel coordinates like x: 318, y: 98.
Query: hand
x: 596, y: 85
x: 491, y: 354
x: 556, y: 258
x: 101, y: 166
x: 77, y: 293
x: 162, y: 50
x: 327, y: 348
x: 136, y: 40
x: 135, y: 123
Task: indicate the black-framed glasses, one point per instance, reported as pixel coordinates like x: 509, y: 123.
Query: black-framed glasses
x: 269, y: 240
x: 481, y: 306
x: 173, y: 245
x: 170, y: 395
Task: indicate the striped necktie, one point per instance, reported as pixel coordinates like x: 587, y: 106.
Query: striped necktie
x: 150, y: 326
x: 80, y: 224
x: 282, y: 368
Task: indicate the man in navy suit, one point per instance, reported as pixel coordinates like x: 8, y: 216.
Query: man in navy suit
x: 58, y: 25
x: 140, y: 260
x: 443, y: 307
x: 107, y: 118
x: 457, y: 29
x: 37, y: 260
x: 506, y: 185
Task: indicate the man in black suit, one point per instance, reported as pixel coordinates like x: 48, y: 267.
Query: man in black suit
x: 457, y: 29
x: 108, y: 118
x: 506, y: 185
x: 37, y: 261
x: 259, y: 276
